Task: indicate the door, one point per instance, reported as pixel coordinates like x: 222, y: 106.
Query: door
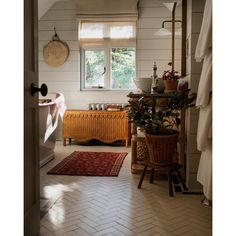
x: 31, y: 136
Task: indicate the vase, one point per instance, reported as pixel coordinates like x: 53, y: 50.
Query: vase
x: 144, y: 84
x: 170, y: 85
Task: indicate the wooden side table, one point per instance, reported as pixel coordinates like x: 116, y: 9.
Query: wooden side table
x: 137, y: 167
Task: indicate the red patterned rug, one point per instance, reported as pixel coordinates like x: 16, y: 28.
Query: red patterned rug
x: 90, y: 164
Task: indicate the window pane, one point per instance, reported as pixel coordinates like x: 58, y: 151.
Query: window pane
x: 123, y: 68
x: 108, y: 30
x: 122, y: 31
x: 92, y: 31
x: 94, y: 68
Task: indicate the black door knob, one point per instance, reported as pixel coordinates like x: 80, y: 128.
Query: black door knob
x: 43, y: 89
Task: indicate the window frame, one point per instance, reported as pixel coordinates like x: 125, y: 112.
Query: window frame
x: 107, y: 52
x: 107, y: 44
x: 110, y: 59
x: 82, y: 74
x: 108, y: 65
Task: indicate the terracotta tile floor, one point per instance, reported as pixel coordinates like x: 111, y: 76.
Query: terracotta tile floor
x: 82, y: 206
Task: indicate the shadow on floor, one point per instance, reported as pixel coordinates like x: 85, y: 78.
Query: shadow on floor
x: 95, y: 142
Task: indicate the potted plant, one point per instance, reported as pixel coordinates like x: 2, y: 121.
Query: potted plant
x: 160, y: 125
x: 162, y: 119
x: 170, y: 78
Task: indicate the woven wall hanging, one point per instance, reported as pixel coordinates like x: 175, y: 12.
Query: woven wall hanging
x: 56, y: 52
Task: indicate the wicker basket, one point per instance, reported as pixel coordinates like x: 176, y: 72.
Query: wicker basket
x: 161, y: 148
x: 142, y: 151
x: 106, y: 126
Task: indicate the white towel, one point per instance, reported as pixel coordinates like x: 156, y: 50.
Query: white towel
x: 56, y: 109
x: 205, y: 83
x: 60, y: 101
x: 204, y: 127
x: 204, y: 40
x: 49, y: 123
x: 204, y: 175
x: 204, y: 102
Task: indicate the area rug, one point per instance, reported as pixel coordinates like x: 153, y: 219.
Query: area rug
x: 90, y: 164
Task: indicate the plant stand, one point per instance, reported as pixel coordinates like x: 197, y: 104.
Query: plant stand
x: 136, y: 167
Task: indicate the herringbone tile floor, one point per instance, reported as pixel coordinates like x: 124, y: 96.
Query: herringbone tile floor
x: 83, y: 206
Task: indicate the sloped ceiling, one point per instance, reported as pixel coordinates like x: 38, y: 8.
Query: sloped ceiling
x: 106, y: 6
x: 44, y: 5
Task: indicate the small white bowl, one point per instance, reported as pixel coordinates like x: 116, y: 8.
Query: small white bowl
x: 144, y: 84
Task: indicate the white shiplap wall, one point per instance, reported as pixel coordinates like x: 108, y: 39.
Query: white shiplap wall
x: 152, y: 48
x: 66, y: 78
x: 194, y: 20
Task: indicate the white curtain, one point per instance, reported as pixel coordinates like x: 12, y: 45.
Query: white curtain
x: 204, y: 102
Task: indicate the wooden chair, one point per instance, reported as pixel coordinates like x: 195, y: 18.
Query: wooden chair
x: 161, y: 160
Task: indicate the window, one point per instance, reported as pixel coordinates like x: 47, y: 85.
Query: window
x: 108, y: 55
x: 94, y: 68
x: 122, y: 68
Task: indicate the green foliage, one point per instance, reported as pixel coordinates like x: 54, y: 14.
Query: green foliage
x: 94, y: 67
x: 154, y: 119
x: 123, y: 68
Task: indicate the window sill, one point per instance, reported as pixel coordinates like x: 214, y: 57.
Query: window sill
x: 104, y: 89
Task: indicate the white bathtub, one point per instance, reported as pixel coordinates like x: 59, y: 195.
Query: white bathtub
x: 48, y: 118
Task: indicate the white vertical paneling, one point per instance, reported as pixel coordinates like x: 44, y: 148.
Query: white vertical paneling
x: 194, y: 19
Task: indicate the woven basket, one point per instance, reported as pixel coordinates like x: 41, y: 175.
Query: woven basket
x: 161, y: 148
x: 56, y: 52
x: 142, y: 151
